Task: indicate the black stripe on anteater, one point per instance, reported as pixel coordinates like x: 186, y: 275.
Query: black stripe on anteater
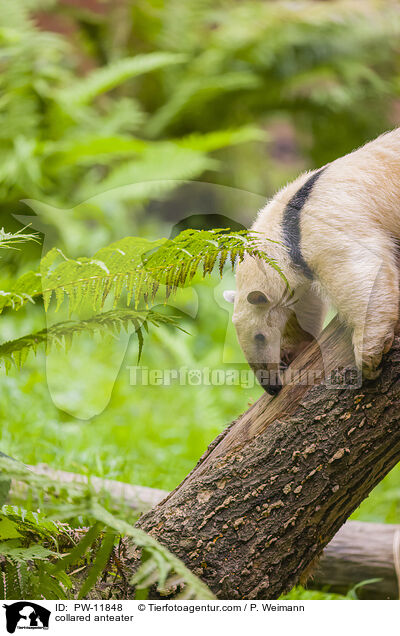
x: 291, y: 223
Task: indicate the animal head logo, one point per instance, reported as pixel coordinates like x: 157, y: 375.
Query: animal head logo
x: 26, y: 615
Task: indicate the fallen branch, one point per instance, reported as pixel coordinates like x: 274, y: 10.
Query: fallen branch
x: 364, y: 556
x: 139, y: 498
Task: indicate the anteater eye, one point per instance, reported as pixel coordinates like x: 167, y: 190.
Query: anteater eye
x: 257, y: 298
x: 259, y: 337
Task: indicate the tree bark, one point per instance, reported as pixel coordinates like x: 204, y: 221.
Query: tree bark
x: 359, y: 552
x: 275, y: 487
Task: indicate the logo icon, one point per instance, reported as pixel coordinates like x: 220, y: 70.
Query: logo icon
x: 26, y: 615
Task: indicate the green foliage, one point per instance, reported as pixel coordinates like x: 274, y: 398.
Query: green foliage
x: 176, y: 261
x: 157, y: 563
x: 137, y: 266
x: 141, y: 266
x: 29, y: 566
x: 184, y: 68
x: 4, y: 490
x: 29, y: 543
x: 96, y: 128
x: 61, y: 334
x: 66, y: 138
x: 323, y: 66
x: 37, y: 553
x: 101, y: 560
x: 9, y: 239
x: 102, y: 80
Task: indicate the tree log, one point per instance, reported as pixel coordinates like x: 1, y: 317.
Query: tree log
x: 358, y: 553
x: 139, y: 498
x: 275, y: 487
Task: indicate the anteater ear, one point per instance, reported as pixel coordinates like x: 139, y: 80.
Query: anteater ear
x: 257, y: 298
x: 229, y: 295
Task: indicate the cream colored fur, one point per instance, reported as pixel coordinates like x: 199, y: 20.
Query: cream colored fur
x: 349, y: 227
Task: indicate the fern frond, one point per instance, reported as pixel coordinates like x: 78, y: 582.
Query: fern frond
x: 38, y: 535
x: 198, y: 90
x: 136, y: 265
x: 177, y: 260
x: 13, y: 550
x: 104, y: 79
x: 24, y: 290
x: 101, y: 560
x: 86, y: 149
x: 9, y: 239
x: 155, y: 172
x: 157, y: 562
x: 26, y: 522
x: 222, y: 138
x: 61, y: 334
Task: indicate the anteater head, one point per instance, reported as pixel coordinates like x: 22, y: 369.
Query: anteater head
x: 267, y: 321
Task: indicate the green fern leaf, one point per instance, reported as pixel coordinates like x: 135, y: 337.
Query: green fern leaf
x: 16, y: 552
x: 50, y: 571
x: 199, y: 90
x: 104, y: 79
x: 155, y: 172
x: 76, y: 554
x: 61, y: 334
x: 138, y: 265
x: 197, y: 588
x: 100, y: 561
x: 222, y: 138
x: 84, y: 151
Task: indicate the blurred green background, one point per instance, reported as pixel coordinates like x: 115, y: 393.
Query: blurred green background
x: 131, y: 117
